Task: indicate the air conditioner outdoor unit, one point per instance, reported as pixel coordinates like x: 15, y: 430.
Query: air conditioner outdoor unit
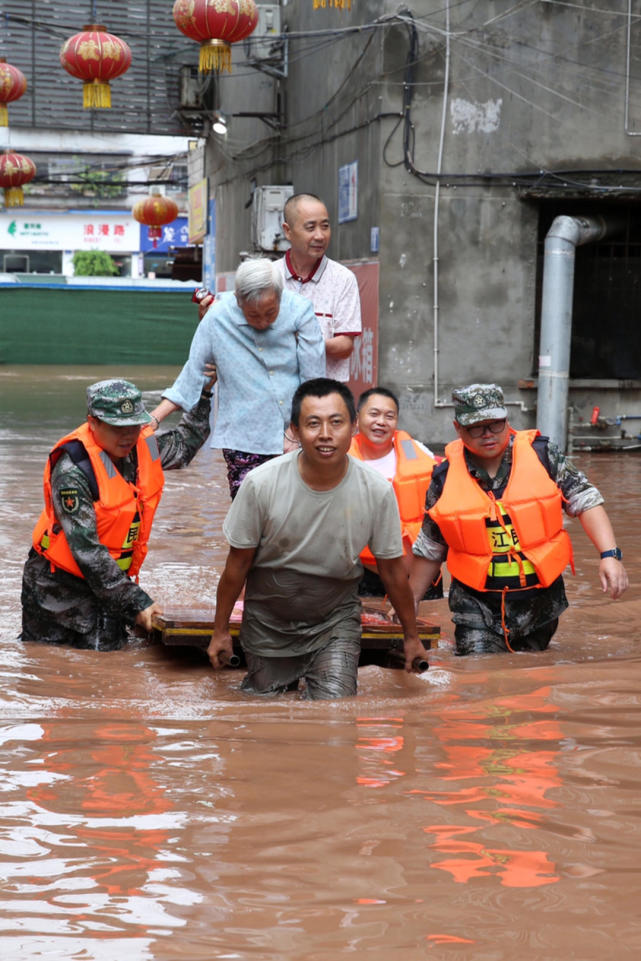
x: 267, y: 217
x: 260, y: 44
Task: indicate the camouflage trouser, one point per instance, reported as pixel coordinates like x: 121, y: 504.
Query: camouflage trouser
x: 483, y: 618
x: 330, y: 672
x: 239, y: 463
x: 472, y: 640
x: 58, y: 608
x: 108, y: 633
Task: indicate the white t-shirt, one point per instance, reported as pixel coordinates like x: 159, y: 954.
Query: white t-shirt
x: 333, y: 292
x: 386, y: 465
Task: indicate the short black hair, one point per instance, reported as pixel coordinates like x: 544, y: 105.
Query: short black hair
x: 321, y: 387
x: 292, y: 202
x: 365, y: 396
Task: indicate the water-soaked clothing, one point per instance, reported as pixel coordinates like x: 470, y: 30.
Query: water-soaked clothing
x: 95, y: 611
x: 329, y: 672
x: 301, y: 610
x: 239, y: 463
x: 531, y: 616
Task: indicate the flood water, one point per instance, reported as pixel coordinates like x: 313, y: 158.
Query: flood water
x: 489, y: 809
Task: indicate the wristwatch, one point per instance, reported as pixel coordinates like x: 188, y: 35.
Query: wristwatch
x: 615, y: 552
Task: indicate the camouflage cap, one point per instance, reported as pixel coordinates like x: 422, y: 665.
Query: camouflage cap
x: 478, y: 402
x: 117, y: 402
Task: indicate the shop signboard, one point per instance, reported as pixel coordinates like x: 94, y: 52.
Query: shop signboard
x: 175, y: 234
x: 87, y: 230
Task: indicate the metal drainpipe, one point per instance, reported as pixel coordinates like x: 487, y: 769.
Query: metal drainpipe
x: 562, y: 239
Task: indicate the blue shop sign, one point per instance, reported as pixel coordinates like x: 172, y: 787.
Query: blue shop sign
x: 175, y: 234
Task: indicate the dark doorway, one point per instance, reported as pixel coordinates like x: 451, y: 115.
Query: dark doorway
x: 606, y: 316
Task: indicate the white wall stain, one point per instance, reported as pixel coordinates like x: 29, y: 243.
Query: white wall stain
x: 402, y: 260
x: 468, y: 117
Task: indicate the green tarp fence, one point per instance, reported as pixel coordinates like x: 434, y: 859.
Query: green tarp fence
x: 76, y: 325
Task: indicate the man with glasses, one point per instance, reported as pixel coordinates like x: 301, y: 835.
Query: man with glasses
x: 494, y: 509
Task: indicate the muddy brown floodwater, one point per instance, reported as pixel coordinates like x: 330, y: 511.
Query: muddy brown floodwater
x: 489, y: 809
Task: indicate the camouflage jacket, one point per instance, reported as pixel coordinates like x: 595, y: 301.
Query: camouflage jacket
x: 524, y: 611
x: 71, y: 601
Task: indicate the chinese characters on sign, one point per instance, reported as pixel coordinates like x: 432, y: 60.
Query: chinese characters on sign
x: 103, y: 230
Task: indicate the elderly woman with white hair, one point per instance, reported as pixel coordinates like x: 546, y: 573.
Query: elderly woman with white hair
x: 264, y: 342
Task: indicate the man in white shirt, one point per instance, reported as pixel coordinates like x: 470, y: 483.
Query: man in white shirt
x: 331, y: 287
x: 295, y: 530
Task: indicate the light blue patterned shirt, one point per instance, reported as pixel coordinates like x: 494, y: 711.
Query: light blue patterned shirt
x: 258, y: 370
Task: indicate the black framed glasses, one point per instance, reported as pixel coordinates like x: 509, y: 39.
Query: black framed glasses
x: 491, y: 426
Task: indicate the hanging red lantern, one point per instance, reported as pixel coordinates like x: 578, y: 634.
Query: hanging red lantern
x: 215, y: 24
x: 15, y: 170
x: 96, y: 57
x: 13, y: 84
x: 333, y: 3
x: 154, y: 212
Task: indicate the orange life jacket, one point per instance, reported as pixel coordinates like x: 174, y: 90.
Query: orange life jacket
x: 412, y: 478
x: 473, y: 523
x: 118, y: 505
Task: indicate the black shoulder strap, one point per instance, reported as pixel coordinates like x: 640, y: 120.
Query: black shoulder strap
x: 78, y: 454
x: 540, y: 446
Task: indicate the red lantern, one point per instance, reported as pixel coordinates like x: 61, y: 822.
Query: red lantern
x: 215, y: 24
x: 13, y: 84
x: 154, y: 212
x: 15, y: 170
x: 96, y: 57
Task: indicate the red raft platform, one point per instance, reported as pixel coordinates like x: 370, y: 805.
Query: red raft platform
x: 381, y: 638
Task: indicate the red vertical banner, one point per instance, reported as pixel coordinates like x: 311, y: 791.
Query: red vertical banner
x: 363, y: 368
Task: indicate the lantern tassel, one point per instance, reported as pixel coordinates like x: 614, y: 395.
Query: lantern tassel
x: 4, y: 115
x: 214, y: 55
x: 13, y: 197
x: 96, y: 95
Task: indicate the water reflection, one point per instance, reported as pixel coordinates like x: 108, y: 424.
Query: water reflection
x: 502, y: 761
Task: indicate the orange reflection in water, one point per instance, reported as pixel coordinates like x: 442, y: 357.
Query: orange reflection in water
x: 379, y: 740
x: 119, y: 855
x: 512, y: 779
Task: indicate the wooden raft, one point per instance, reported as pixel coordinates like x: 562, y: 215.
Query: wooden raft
x: 381, y: 638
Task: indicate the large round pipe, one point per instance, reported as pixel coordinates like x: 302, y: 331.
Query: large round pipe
x: 562, y: 239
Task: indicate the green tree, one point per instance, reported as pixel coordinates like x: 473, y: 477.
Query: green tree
x: 93, y: 263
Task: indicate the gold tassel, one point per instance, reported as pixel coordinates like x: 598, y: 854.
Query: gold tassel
x: 214, y: 55
x: 333, y: 3
x: 4, y: 115
x: 96, y: 95
x: 13, y: 197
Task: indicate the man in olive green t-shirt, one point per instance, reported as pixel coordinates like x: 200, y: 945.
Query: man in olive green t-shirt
x: 296, y: 530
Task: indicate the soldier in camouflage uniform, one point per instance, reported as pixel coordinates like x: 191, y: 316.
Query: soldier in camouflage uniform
x: 95, y: 610
x: 490, y: 620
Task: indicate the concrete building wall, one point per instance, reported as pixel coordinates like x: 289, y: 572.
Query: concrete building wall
x: 506, y: 108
